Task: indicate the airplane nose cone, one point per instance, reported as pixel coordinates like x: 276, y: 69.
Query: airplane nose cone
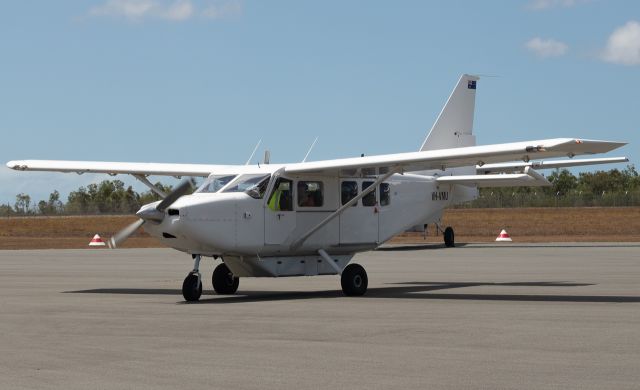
x: 150, y: 214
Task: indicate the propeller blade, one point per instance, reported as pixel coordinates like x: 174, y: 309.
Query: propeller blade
x: 125, y: 233
x: 182, y: 189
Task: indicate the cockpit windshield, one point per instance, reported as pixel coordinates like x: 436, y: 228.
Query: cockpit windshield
x: 253, y: 185
x: 215, y: 183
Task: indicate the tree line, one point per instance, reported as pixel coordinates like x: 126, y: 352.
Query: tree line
x: 106, y: 197
x: 600, y: 188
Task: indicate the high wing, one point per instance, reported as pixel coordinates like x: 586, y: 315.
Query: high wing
x: 401, y: 162
x: 113, y: 168
x: 459, y: 157
x: 520, y: 166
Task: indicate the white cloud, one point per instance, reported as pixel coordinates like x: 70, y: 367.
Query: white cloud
x: 223, y: 10
x: 178, y: 11
x: 130, y: 9
x: 623, y: 46
x: 546, y: 47
x: 538, y: 5
x: 172, y: 10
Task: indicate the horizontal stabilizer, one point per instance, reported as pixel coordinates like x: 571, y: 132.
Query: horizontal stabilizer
x: 529, y: 178
x: 520, y: 166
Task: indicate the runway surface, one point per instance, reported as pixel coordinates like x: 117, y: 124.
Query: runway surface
x: 478, y: 316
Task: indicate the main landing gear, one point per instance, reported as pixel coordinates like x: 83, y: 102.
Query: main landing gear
x: 449, y: 237
x: 353, y: 277
x: 354, y: 280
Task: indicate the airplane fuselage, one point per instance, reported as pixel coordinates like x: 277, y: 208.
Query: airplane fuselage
x: 260, y: 238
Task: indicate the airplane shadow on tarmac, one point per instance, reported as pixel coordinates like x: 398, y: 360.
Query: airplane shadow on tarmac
x: 405, y: 290
x: 475, y: 246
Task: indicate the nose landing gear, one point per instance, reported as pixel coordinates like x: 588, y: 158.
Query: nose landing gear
x: 223, y: 281
x: 192, y: 285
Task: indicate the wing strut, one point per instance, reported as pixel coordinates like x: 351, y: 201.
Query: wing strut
x: 345, y: 206
x: 329, y: 260
x: 153, y: 188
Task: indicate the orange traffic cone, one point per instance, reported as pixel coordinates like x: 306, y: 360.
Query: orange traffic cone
x: 504, y: 237
x: 96, y: 241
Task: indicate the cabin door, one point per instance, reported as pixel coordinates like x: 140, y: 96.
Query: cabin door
x: 359, y: 223
x: 279, y: 218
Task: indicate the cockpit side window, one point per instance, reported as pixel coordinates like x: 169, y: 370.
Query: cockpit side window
x: 281, y: 198
x: 253, y: 185
x: 215, y: 183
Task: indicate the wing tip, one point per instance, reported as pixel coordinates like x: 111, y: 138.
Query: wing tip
x: 15, y: 165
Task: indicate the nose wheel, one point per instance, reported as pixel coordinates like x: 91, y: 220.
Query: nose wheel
x: 192, y: 285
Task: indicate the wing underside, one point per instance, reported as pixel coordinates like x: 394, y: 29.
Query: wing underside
x: 529, y: 178
x: 520, y: 166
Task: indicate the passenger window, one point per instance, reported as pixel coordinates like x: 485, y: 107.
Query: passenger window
x: 349, y: 191
x: 281, y: 198
x: 370, y: 198
x: 310, y: 194
x: 385, y: 194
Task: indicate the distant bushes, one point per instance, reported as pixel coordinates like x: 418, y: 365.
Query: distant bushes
x: 107, y: 197
x: 601, y: 188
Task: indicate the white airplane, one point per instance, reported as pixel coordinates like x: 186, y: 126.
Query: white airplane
x: 310, y: 218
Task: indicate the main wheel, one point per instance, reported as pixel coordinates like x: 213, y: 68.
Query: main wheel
x: 354, y: 280
x: 191, y: 288
x: 223, y: 280
x: 449, y: 237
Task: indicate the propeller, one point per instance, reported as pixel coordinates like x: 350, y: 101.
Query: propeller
x: 154, y: 214
x: 123, y: 234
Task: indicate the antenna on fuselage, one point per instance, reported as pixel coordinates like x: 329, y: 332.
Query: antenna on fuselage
x: 310, y: 149
x: 267, y: 157
x: 254, y: 152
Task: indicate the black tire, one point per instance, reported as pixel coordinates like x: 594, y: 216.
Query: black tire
x: 354, y: 280
x: 191, y: 288
x: 223, y: 281
x: 449, y: 237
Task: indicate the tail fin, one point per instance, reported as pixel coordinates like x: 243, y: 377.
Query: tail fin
x: 454, y: 126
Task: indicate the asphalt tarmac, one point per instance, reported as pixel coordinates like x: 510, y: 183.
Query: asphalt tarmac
x: 563, y: 316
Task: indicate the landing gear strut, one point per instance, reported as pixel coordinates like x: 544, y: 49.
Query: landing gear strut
x: 449, y: 237
x: 192, y: 285
x: 223, y: 280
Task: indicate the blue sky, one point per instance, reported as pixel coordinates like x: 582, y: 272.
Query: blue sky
x: 203, y: 81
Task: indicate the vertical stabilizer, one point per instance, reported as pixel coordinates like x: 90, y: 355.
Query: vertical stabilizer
x: 454, y: 126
